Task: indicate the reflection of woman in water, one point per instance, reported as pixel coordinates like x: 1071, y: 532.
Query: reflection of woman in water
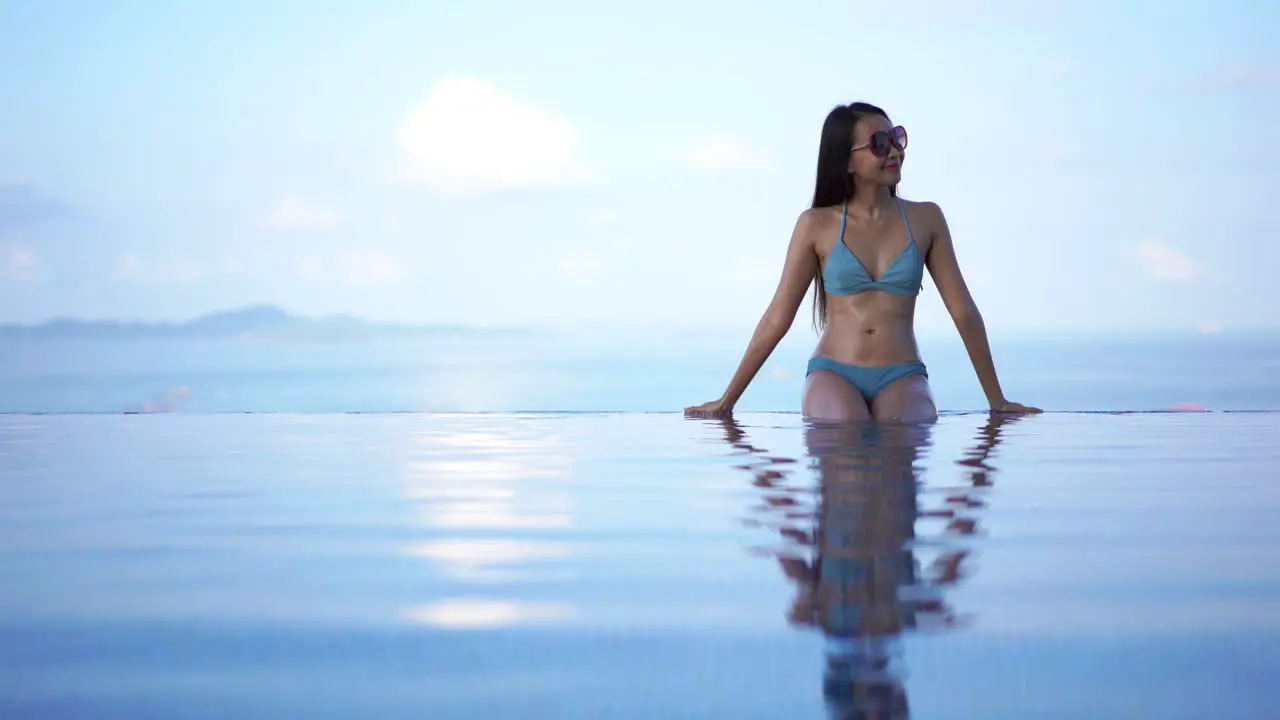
x: 863, y: 587
x: 865, y: 251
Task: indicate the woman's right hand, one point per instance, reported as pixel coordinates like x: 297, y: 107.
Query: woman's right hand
x: 715, y: 408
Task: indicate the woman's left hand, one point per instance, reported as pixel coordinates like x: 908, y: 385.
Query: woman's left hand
x: 1009, y: 406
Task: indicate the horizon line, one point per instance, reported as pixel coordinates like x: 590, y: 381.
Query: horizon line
x: 570, y: 325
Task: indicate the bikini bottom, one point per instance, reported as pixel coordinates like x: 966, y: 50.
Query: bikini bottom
x: 869, y: 380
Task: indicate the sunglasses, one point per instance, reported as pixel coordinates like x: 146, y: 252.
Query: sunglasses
x: 882, y: 140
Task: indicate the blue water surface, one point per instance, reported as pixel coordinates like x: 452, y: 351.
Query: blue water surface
x: 629, y: 565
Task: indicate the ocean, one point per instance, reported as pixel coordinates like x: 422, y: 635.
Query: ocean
x: 629, y: 373
x: 533, y: 530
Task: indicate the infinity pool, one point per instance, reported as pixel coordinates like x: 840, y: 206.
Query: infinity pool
x: 639, y: 566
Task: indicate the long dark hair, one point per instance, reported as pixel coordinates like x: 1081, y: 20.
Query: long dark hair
x: 834, y: 183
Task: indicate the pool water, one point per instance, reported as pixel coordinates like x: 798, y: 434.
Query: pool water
x: 639, y: 566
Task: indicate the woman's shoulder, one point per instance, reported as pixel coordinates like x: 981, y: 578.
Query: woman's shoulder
x: 925, y: 214
x: 824, y: 214
x: 816, y: 221
x: 923, y: 208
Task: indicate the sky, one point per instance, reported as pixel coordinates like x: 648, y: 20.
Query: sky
x: 1103, y: 165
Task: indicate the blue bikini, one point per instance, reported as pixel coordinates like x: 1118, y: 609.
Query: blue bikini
x: 844, y: 274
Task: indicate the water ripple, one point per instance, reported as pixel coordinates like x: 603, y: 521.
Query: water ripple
x: 621, y: 565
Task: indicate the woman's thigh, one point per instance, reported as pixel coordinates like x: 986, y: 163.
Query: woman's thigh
x: 829, y: 397
x: 906, y: 400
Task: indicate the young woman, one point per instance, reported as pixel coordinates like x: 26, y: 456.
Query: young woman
x: 865, y: 249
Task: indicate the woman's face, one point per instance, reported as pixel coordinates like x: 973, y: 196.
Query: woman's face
x: 878, y: 151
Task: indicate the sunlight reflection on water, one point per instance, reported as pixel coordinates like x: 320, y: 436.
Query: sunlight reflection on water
x: 407, y: 564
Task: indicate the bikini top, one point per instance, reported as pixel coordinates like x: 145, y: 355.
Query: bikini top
x: 844, y: 273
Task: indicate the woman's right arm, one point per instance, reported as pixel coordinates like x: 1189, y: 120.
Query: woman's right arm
x: 797, y: 274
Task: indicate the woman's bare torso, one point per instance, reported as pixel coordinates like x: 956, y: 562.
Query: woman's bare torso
x: 872, y: 327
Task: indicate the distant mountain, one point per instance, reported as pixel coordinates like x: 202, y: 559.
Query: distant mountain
x: 255, y: 323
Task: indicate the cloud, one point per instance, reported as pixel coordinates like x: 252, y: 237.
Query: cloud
x: 604, y: 218
x: 159, y: 271
x: 467, y: 137
x: 372, y: 267
x: 580, y: 265
x: 310, y: 268
x: 1166, y: 263
x: 19, y: 263
x: 604, y: 224
x: 18, y: 257
x: 362, y: 267
x: 232, y: 264
x: 725, y: 152
x: 294, y: 214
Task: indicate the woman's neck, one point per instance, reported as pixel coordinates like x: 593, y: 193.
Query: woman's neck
x: 870, y: 200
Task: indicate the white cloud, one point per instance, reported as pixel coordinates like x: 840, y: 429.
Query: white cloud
x: 232, y: 264
x: 295, y: 214
x: 725, y: 152
x: 372, y: 267
x: 362, y: 267
x: 129, y: 266
x: 19, y: 257
x: 604, y: 223
x: 467, y: 137
x: 161, y: 271
x: 19, y: 263
x: 1165, y: 263
x: 604, y: 218
x: 310, y: 268
x: 580, y: 265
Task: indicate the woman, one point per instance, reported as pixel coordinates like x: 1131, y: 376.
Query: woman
x: 866, y: 250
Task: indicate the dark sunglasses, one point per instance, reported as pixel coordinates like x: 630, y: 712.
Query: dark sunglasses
x: 882, y: 140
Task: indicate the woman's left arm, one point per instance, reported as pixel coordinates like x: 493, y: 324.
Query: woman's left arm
x: 945, y: 270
